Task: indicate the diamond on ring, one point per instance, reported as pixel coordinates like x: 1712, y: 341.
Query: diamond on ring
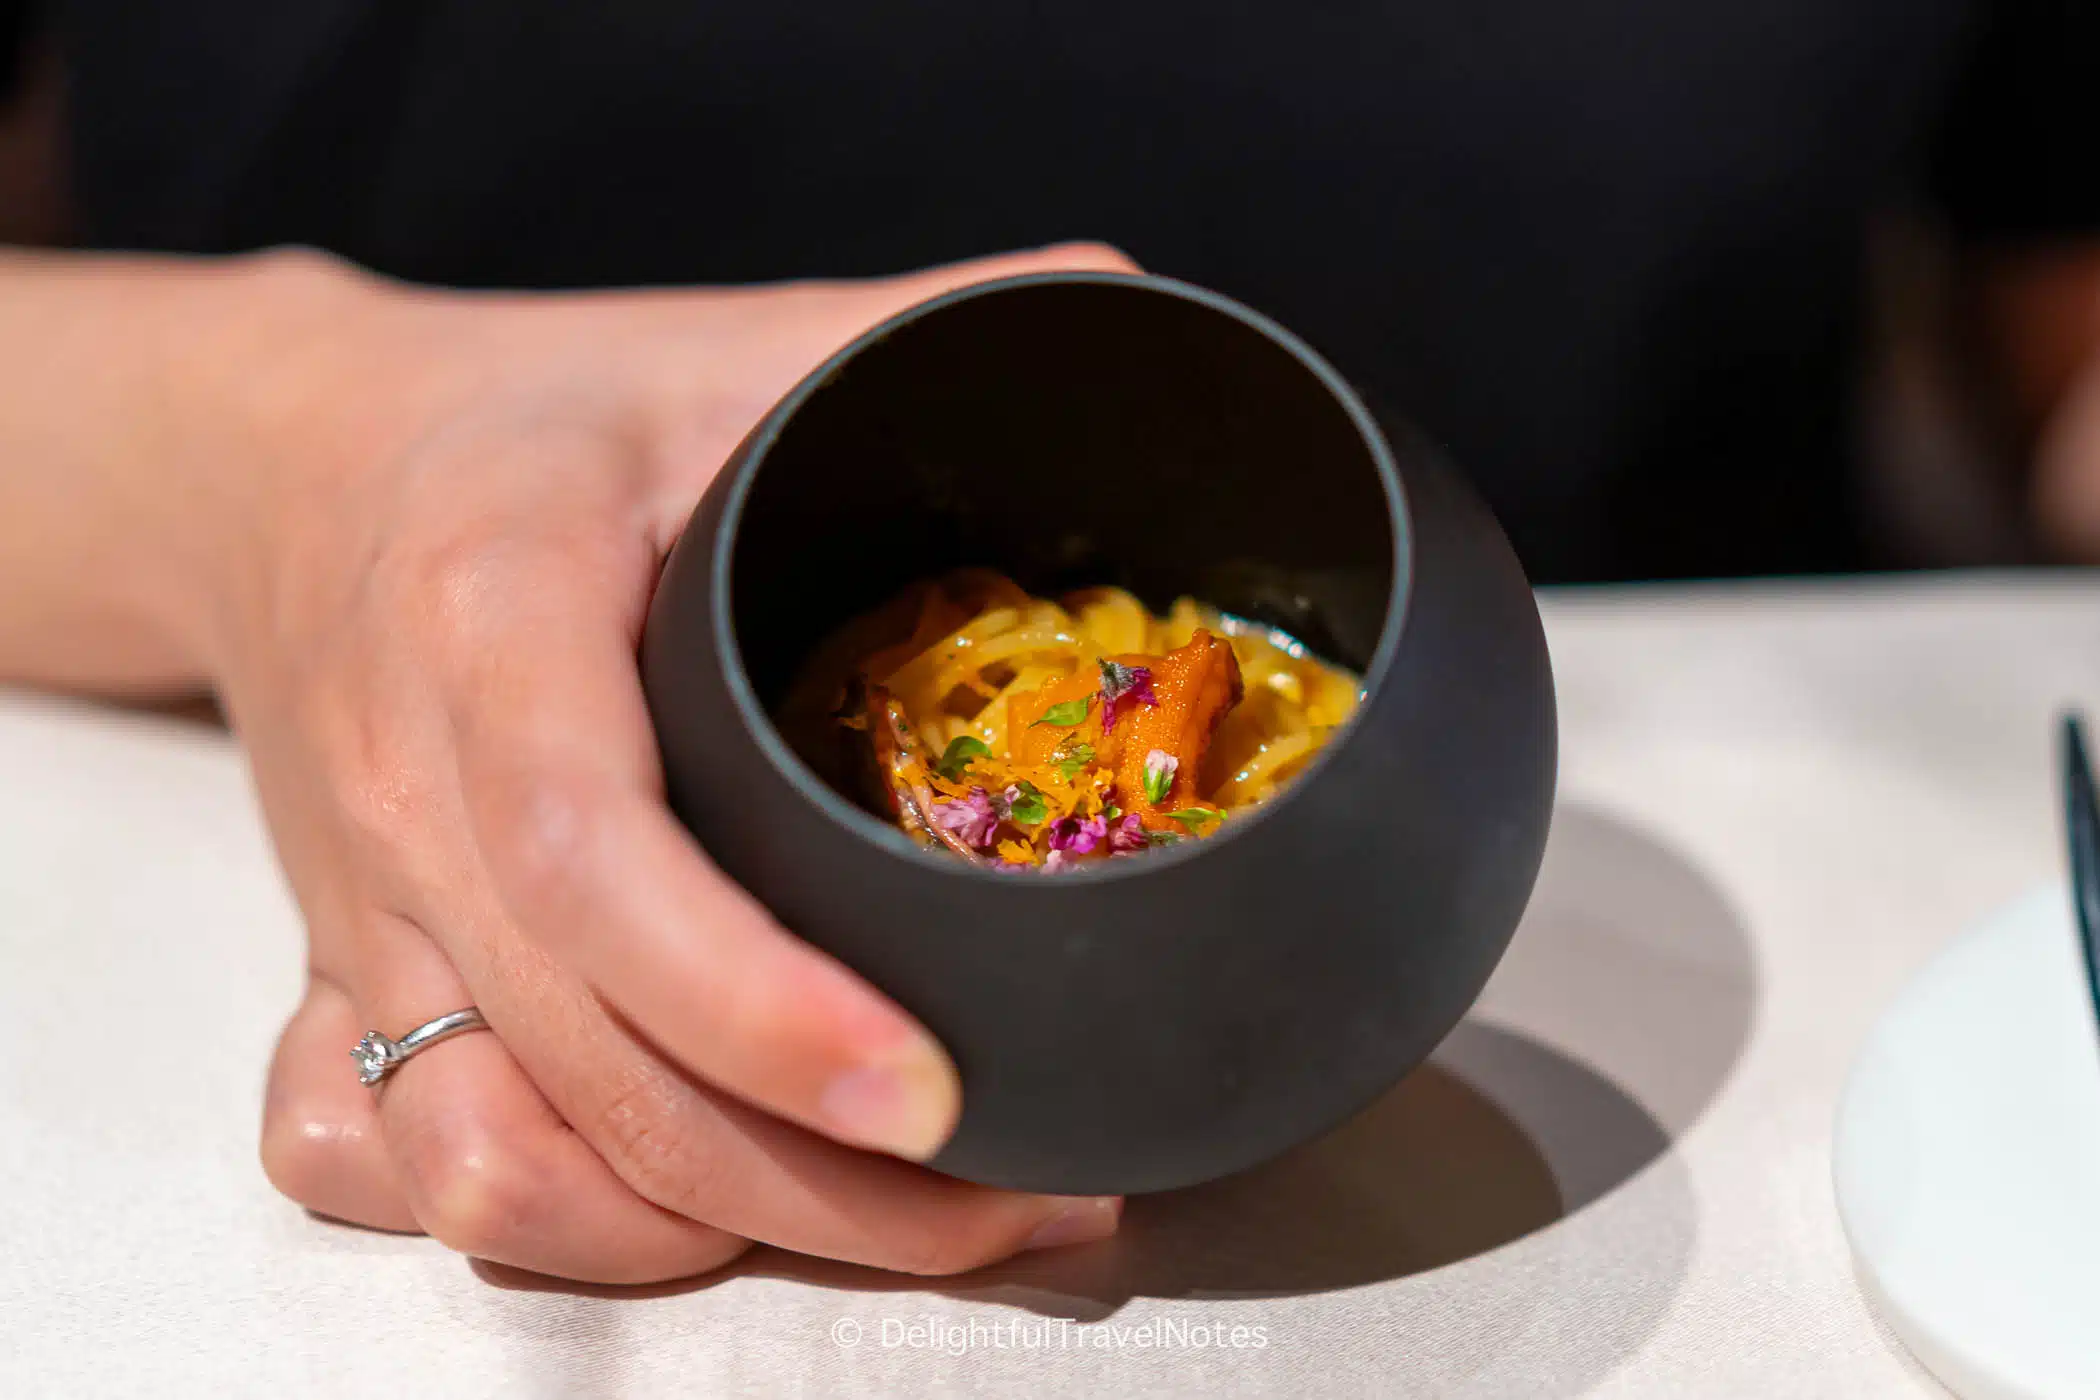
x: 376, y: 1057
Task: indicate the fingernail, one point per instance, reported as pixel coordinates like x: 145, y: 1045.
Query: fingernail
x: 907, y: 1109
x: 1081, y: 1220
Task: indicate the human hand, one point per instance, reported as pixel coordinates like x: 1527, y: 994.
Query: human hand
x: 435, y: 534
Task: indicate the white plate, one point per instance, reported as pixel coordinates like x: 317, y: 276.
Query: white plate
x: 1967, y: 1160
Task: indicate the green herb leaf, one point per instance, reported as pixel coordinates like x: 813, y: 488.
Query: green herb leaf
x: 962, y: 749
x: 1066, y: 715
x: 1028, y: 809
x: 1162, y: 838
x: 1071, y: 757
x: 1111, y: 812
x: 1195, y: 818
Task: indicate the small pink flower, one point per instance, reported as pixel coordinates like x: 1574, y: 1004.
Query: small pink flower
x: 1160, y: 768
x: 1076, y: 836
x: 1127, y: 835
x: 972, y: 819
x: 1121, y: 688
x: 1058, y: 860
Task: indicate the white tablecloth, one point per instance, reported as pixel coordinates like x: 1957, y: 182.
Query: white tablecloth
x: 1777, y: 800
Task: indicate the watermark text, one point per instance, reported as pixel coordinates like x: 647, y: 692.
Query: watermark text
x: 959, y: 1336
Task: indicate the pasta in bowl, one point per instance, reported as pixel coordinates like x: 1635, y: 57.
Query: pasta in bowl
x: 1026, y: 733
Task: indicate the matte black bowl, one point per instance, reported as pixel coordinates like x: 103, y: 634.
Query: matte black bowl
x: 1181, y: 1014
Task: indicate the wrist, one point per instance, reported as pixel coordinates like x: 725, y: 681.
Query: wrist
x: 285, y: 373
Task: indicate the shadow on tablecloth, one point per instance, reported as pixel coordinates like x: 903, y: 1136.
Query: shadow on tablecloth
x: 1500, y: 1179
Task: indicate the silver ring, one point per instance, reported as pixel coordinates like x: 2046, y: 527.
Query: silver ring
x: 377, y: 1057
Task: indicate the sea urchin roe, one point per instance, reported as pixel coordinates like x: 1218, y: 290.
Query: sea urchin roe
x: 1197, y: 686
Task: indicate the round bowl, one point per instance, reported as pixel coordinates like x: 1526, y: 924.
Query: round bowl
x: 1182, y: 1014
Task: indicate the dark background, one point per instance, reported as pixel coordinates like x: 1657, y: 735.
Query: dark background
x: 1613, y: 253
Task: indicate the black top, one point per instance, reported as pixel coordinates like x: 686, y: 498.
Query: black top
x: 1609, y: 251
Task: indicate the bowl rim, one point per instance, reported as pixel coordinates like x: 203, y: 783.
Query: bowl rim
x: 887, y: 837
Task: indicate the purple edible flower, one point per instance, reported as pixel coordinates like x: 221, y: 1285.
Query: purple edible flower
x: 972, y: 819
x: 1127, y: 835
x: 1121, y: 688
x: 1056, y: 861
x: 1076, y: 836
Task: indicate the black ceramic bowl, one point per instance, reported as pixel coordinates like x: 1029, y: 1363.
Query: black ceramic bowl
x: 1181, y: 1014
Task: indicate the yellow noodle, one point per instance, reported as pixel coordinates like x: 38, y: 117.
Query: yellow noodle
x: 1048, y: 616
x: 920, y: 669
x: 1173, y: 631
x: 967, y: 663
x: 1256, y: 781
x: 1113, y: 619
x: 1330, y: 699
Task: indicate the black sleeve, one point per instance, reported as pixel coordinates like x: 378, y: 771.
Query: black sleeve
x: 14, y: 38
x: 2018, y: 153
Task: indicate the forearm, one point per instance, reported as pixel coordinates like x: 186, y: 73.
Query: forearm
x: 132, y: 394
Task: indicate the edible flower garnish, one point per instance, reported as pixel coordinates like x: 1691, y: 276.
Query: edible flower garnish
x: 971, y: 819
x: 1077, y: 836
x: 1122, y: 687
x: 1126, y: 836
x: 1160, y: 767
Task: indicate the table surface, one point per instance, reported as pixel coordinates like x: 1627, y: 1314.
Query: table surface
x: 1777, y: 800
